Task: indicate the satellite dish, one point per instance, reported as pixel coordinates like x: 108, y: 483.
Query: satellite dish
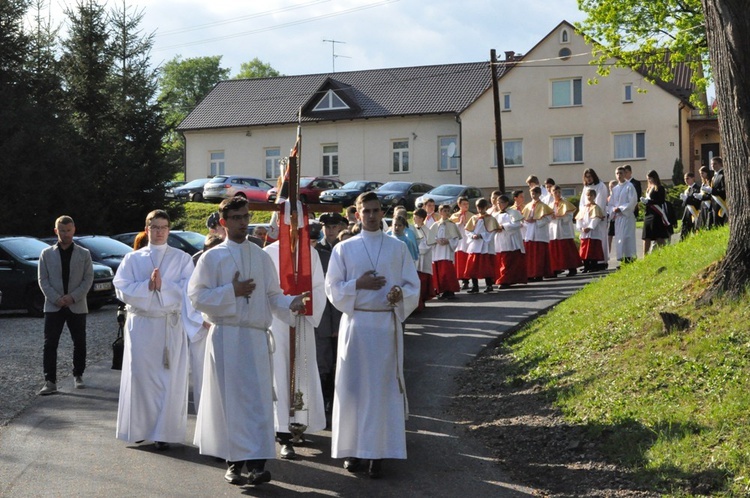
x: 452, y: 149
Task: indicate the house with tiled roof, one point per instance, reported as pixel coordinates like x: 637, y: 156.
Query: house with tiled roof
x: 435, y: 124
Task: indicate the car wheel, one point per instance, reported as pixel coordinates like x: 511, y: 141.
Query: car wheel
x: 240, y: 194
x: 35, y: 301
x: 196, y: 197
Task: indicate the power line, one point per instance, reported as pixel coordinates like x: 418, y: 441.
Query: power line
x: 239, y: 19
x: 277, y: 26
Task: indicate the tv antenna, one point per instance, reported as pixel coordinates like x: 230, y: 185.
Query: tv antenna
x: 334, y: 55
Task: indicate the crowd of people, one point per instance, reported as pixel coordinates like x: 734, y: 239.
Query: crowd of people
x: 271, y: 358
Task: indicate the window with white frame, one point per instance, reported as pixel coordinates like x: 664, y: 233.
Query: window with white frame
x: 512, y: 153
x: 567, y: 149
x: 216, y: 163
x: 447, y: 163
x: 331, y: 160
x: 630, y: 145
x: 506, y: 101
x: 330, y: 102
x: 627, y: 95
x: 567, y: 92
x: 400, y: 163
x: 273, y: 162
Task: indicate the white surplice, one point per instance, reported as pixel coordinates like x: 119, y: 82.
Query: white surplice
x: 307, y: 379
x: 602, y: 193
x: 369, y: 408
x: 154, y: 378
x: 624, y: 197
x: 235, y: 417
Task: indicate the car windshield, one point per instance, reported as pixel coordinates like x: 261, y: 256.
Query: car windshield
x: 304, y: 182
x: 104, y: 247
x: 394, y: 187
x: 218, y: 179
x: 355, y: 185
x: 193, y: 238
x: 447, y: 190
x: 27, y: 249
x: 196, y: 183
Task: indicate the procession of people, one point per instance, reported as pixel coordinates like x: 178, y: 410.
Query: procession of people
x: 279, y: 346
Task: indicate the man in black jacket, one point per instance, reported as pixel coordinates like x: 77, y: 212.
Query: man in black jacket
x: 718, y: 193
x: 691, y: 204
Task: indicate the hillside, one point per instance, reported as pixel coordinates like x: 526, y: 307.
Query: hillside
x: 598, y: 398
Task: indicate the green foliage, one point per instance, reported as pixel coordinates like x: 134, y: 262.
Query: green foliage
x: 678, y: 173
x: 671, y: 404
x: 195, y: 214
x: 256, y: 68
x: 641, y: 34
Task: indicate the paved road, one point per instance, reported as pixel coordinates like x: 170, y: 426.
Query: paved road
x: 64, y: 445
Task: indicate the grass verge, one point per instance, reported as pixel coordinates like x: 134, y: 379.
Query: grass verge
x: 671, y: 405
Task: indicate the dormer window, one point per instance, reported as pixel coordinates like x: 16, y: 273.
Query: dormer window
x: 564, y: 36
x: 330, y: 102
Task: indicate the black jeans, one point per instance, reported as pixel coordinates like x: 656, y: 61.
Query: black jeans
x: 53, y: 327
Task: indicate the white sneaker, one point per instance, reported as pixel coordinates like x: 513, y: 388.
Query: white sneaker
x: 48, y: 388
x: 78, y: 380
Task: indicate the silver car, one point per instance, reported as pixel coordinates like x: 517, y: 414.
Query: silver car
x: 449, y: 194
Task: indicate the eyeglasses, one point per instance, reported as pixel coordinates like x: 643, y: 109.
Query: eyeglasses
x: 156, y: 228
x: 239, y: 217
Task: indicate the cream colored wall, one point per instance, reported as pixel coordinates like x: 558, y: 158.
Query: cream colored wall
x: 364, y: 148
x: 601, y: 114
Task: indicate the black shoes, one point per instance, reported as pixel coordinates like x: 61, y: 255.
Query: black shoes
x: 473, y: 290
x: 376, y: 469
x: 572, y: 272
x: 287, y: 452
x: 488, y: 289
x: 258, y: 476
x: 352, y: 464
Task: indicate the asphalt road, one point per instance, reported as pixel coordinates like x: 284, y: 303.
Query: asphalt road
x: 64, y: 445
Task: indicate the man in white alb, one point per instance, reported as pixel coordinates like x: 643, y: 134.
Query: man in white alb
x: 621, y: 208
x: 236, y: 288
x: 373, y: 281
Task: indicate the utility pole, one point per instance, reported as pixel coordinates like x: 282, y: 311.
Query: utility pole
x: 498, y: 125
x: 333, y: 53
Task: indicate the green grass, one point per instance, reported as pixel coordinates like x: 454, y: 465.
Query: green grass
x: 672, y: 405
x: 197, y: 212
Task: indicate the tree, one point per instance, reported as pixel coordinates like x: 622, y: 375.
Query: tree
x: 728, y: 30
x: 183, y: 84
x: 678, y: 172
x: 256, y: 68
x: 646, y: 33
x: 137, y: 165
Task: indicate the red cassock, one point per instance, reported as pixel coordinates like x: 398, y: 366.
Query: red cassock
x: 592, y: 249
x: 461, y: 258
x: 480, y: 266
x: 563, y: 255
x: 511, y: 268
x: 444, y: 276
x: 537, y: 259
x: 426, y: 290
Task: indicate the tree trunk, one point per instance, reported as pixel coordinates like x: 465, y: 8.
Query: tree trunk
x: 728, y: 34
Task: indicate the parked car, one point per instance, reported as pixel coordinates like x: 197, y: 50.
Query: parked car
x: 405, y: 194
x: 19, y: 269
x: 191, y: 191
x: 104, y: 250
x: 226, y: 186
x: 310, y: 188
x: 190, y: 242
x: 348, y: 193
x: 449, y: 194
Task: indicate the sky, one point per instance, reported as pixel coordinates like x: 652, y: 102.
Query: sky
x: 369, y: 34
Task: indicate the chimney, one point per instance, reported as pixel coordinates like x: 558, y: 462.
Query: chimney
x: 509, y: 55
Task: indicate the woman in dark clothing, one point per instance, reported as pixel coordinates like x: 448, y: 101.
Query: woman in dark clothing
x: 656, y: 227
x: 705, y: 217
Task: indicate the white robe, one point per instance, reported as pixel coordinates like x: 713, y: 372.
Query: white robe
x: 625, y: 198
x: 153, y: 398
x: 509, y: 239
x: 197, y: 335
x: 426, y: 243
x: 308, y: 380
x: 369, y: 407
x: 445, y: 252
x: 235, y: 417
